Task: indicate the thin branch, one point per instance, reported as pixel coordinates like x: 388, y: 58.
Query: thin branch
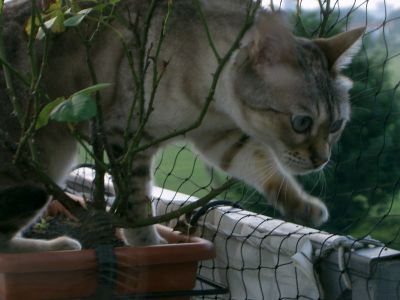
x: 325, y: 12
x: 209, y: 37
x: 99, y: 137
x: 300, y: 20
x: 17, y: 107
x: 176, y: 213
x: 97, y: 132
x: 28, y: 128
x: 144, y: 56
x: 82, y: 142
x: 247, y: 24
x: 14, y: 71
x: 157, y: 76
x: 52, y: 187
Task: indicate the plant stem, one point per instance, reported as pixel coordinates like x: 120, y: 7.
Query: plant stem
x: 83, y: 143
x: 97, y: 140
x: 51, y: 186
x: 6, y: 71
x: 13, y: 71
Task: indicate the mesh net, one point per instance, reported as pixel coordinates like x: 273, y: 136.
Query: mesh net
x: 361, y: 183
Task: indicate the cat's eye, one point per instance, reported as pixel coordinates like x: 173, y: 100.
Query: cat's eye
x: 301, y: 124
x: 336, y: 126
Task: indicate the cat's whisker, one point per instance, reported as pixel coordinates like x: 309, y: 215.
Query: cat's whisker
x: 249, y: 197
x: 318, y: 175
x: 279, y: 192
x: 329, y: 168
x: 263, y: 177
x: 285, y: 195
x: 324, y: 185
x: 260, y: 167
x: 319, y: 182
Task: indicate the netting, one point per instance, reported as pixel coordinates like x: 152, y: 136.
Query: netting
x: 361, y: 183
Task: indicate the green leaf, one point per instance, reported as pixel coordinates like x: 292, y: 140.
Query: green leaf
x: 74, y: 21
x: 78, y: 18
x: 55, y: 5
x: 58, y: 26
x: 44, y: 115
x: 78, y: 108
x: 40, y: 34
x: 85, y: 11
x: 94, y: 88
x: 55, y: 25
x: 48, y: 24
x: 28, y: 26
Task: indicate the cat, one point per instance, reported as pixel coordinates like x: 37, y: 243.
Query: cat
x: 279, y: 107
x: 18, y: 206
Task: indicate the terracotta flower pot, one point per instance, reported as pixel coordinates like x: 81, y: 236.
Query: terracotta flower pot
x: 73, y: 274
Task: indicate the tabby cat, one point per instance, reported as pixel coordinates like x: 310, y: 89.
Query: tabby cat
x: 278, y: 109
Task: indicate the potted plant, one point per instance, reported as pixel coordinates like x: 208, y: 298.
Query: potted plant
x: 67, y: 274
x: 121, y: 271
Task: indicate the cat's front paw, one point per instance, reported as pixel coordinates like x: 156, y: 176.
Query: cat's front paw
x: 64, y: 243
x: 144, y: 236
x: 311, y: 211
x: 316, y: 211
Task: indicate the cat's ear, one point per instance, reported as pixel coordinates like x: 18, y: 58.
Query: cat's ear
x: 340, y: 49
x: 269, y: 42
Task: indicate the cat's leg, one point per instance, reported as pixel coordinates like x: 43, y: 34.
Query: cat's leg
x: 138, y: 205
x: 19, y: 244
x: 256, y: 164
x: 19, y: 206
x: 138, y: 183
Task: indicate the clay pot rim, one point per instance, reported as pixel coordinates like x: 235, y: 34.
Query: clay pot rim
x: 184, y: 249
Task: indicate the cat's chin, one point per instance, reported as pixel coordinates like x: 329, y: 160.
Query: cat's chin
x: 293, y: 168
x: 297, y: 170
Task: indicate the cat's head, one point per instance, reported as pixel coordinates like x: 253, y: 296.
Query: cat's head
x: 290, y: 94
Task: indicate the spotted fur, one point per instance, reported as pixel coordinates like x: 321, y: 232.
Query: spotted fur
x: 248, y: 131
